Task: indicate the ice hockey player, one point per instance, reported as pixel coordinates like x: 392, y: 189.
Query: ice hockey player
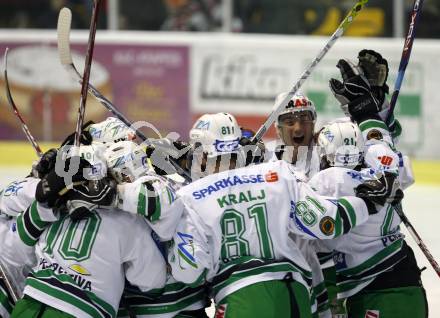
x: 362, y: 95
x: 376, y: 270
x: 295, y: 129
x: 78, y: 273
x: 236, y: 223
x: 16, y: 257
x: 17, y: 197
x: 141, y: 191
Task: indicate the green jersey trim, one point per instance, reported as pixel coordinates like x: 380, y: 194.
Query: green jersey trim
x: 64, y: 288
x: 141, y: 209
x: 163, y: 308
x: 30, y: 226
x: 388, y: 220
x: 242, y: 269
x: 372, y: 123
x: 374, y: 260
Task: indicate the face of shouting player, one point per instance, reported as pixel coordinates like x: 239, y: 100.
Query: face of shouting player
x: 296, y: 129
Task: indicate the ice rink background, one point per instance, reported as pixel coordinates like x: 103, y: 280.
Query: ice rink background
x: 420, y: 205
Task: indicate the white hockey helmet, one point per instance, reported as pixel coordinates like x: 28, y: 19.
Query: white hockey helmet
x: 297, y: 103
x: 217, y: 134
x: 111, y: 130
x: 342, y: 144
x: 126, y: 161
x: 94, y: 154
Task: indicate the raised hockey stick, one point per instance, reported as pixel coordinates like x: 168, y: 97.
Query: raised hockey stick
x: 417, y: 238
x: 24, y: 127
x: 406, y: 54
x: 87, y: 69
x: 63, y: 32
x: 336, y: 35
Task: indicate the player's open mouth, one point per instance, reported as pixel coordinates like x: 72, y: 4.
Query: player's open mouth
x: 298, y: 140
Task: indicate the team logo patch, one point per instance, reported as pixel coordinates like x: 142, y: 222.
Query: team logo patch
x: 201, y: 124
x: 79, y: 269
x: 226, y: 145
x: 374, y: 134
x: 385, y: 160
x: 221, y: 311
x: 271, y: 176
x: 13, y: 188
x: 327, y: 225
x: 372, y: 314
x: 328, y: 134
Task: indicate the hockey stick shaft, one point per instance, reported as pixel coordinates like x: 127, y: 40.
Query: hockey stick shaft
x: 87, y: 69
x: 336, y: 35
x: 63, y: 30
x: 9, y: 286
x: 14, y: 107
x: 417, y: 239
x: 406, y: 54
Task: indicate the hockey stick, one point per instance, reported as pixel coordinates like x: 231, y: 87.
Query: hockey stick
x: 63, y: 32
x: 3, y: 276
x: 24, y: 127
x: 336, y: 35
x: 417, y: 238
x: 406, y: 54
x: 87, y: 69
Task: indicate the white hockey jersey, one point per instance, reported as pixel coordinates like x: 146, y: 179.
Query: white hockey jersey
x: 236, y: 225
x: 82, y: 265
x: 16, y: 258
x: 153, y: 197
x: 18, y: 196
x: 163, y: 211
x: 370, y: 248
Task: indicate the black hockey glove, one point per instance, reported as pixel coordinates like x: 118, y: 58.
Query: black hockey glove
x: 85, y: 138
x: 355, y: 93
x: 380, y: 191
x: 46, y: 163
x: 90, y: 195
x: 51, y: 189
x: 376, y: 70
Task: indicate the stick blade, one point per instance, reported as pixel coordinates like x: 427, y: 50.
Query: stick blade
x: 63, y: 33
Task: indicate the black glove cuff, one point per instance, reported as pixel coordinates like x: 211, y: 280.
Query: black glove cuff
x: 371, y: 207
x: 362, y: 109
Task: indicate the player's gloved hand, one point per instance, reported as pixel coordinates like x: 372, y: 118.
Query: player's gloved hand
x: 90, y: 195
x: 45, y: 164
x: 355, y: 93
x: 376, y: 70
x: 380, y: 191
x: 52, y: 187
x: 85, y: 138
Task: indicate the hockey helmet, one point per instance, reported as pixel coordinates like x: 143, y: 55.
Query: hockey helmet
x: 217, y: 134
x: 111, y: 130
x: 342, y: 144
x: 126, y: 161
x: 297, y: 103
